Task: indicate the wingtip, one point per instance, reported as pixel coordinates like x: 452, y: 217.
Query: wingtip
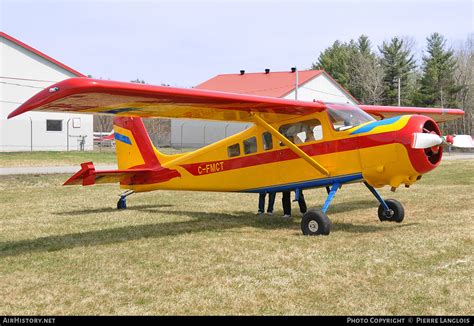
x: 49, y: 94
x: 19, y: 110
x: 28, y: 105
x: 14, y: 113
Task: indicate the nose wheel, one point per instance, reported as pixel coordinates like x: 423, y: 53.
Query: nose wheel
x: 389, y: 210
x: 395, y: 213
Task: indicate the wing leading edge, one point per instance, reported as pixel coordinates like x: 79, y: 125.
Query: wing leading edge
x: 86, y: 95
x: 93, y: 96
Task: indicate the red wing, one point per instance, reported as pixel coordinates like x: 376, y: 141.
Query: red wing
x: 439, y: 115
x: 86, y: 95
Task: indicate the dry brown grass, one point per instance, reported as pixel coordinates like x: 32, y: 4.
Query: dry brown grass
x: 67, y: 250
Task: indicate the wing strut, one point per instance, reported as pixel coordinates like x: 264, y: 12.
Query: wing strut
x: 290, y: 145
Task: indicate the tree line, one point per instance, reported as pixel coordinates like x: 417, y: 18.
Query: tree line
x: 391, y: 74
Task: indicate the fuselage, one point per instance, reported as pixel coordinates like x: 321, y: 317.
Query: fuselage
x: 378, y: 152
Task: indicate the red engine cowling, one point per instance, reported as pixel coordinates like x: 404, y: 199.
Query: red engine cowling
x: 422, y: 159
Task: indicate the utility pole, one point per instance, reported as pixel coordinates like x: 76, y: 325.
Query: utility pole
x: 399, y: 91
x: 31, y: 134
x: 296, y: 83
x: 441, y: 97
x: 67, y: 134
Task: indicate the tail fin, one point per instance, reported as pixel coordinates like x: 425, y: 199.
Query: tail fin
x: 133, y: 145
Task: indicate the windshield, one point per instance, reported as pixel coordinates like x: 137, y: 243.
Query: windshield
x: 344, y: 117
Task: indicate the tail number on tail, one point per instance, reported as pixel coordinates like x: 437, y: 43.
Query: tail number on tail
x: 210, y: 168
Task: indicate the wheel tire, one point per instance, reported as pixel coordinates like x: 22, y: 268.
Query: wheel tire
x: 121, y: 204
x: 397, y: 211
x: 315, y: 222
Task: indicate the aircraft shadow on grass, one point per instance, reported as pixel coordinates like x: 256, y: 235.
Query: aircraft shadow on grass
x: 200, y: 222
x: 109, y: 210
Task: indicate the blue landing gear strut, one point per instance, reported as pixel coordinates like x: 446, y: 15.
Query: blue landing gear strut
x: 122, y: 202
x: 331, y: 193
x: 389, y: 210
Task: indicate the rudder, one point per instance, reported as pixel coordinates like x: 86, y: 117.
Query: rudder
x: 134, y: 148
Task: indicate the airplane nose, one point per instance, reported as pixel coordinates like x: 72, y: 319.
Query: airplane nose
x: 422, y: 140
x: 427, y: 140
x: 397, y: 157
x: 424, y: 143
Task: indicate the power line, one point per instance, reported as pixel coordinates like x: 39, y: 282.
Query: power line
x: 315, y: 90
x: 12, y: 102
x: 28, y: 79
x: 21, y: 85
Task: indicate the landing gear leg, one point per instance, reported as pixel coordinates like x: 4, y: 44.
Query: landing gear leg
x: 389, y: 210
x: 122, y: 202
x: 315, y: 221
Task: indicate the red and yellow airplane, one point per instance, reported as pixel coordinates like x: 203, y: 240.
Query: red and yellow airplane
x: 292, y: 145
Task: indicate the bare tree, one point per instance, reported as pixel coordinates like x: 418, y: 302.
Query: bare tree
x: 159, y: 131
x: 367, y: 75
x: 464, y: 77
x: 103, y: 123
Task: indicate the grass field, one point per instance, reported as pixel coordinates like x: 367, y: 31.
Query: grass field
x: 67, y: 250
x: 62, y: 158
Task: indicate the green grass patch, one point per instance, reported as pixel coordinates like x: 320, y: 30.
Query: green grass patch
x: 67, y: 250
x: 55, y: 158
x: 63, y: 158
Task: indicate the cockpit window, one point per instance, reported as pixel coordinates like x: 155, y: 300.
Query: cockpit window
x: 344, y: 117
x: 302, y: 131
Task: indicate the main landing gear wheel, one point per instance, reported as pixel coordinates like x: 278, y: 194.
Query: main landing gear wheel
x: 396, y: 213
x: 122, y: 203
x: 315, y: 222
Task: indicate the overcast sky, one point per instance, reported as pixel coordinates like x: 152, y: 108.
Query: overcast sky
x: 183, y: 43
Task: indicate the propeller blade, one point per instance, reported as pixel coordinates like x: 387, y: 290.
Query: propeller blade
x: 462, y: 141
x: 424, y: 140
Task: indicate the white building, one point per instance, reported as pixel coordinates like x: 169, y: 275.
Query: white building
x: 312, y: 85
x: 25, y: 71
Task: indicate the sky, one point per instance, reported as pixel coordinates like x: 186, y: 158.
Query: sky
x: 183, y: 43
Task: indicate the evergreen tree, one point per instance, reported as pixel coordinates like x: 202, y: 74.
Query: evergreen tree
x: 364, y: 46
x: 398, y: 63
x: 335, y: 61
x: 438, y: 86
x: 355, y: 67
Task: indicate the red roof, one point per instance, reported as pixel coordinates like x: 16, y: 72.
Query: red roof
x: 274, y: 84
x: 41, y: 54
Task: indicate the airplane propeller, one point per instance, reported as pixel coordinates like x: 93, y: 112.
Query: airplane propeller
x: 427, y: 140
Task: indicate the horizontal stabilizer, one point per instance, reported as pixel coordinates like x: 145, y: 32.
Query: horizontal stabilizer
x: 89, y: 176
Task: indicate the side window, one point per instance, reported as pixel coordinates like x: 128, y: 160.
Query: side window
x: 318, y: 132
x: 54, y: 125
x: 250, y: 145
x: 233, y: 150
x: 267, y: 141
x: 302, y: 132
